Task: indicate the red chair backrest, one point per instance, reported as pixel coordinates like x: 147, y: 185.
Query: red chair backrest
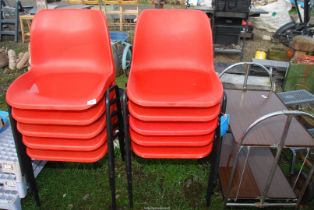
x: 70, y: 40
x: 172, y: 39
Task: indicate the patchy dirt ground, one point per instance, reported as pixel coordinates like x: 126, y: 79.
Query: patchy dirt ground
x: 251, y: 46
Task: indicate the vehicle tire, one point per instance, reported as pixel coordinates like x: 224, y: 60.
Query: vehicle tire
x: 286, y: 33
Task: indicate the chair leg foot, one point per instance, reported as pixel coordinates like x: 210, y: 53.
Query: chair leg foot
x: 111, y: 167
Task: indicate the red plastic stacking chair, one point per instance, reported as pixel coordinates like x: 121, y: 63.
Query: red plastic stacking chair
x: 67, y: 107
x: 172, y: 141
x: 177, y: 56
x: 174, y: 96
x: 66, y: 144
x: 68, y: 117
x: 71, y: 43
x: 172, y: 152
x: 63, y: 131
x: 69, y: 156
x: 173, y: 114
x: 172, y: 128
x: 147, y: 139
x: 53, y: 117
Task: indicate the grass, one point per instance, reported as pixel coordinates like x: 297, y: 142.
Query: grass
x: 173, y: 184
x: 6, y: 75
x: 5, y: 80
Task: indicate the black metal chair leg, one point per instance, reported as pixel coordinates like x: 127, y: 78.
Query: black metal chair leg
x: 111, y: 152
x: 215, y: 160
x: 214, y: 167
x: 24, y: 160
x: 121, y: 125
x: 127, y: 150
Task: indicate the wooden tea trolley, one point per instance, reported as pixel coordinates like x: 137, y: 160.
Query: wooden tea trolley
x: 261, y: 129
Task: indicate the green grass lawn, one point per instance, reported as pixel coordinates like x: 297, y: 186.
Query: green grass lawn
x: 174, y: 184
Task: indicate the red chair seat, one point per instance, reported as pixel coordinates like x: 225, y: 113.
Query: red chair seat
x: 68, y: 156
x: 172, y: 62
x: 173, y: 114
x: 57, y: 117
x: 171, y: 141
x: 175, y: 88
x: 172, y: 152
x: 172, y: 128
x: 57, y: 91
x: 66, y: 144
x: 63, y: 131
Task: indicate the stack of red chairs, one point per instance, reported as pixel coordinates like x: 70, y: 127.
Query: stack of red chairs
x: 174, y: 95
x: 61, y: 107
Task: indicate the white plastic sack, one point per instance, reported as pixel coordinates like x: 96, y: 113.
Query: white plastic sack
x: 193, y: 2
x: 302, y: 14
x: 205, y: 3
x: 278, y: 15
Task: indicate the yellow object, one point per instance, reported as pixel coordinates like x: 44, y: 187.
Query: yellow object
x: 77, y: 2
x: 260, y: 55
x: 107, y: 2
x: 25, y: 23
x: 2, y: 124
x: 89, y: 2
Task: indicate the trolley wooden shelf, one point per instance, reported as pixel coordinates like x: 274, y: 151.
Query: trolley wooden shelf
x: 255, y: 175
x: 247, y: 106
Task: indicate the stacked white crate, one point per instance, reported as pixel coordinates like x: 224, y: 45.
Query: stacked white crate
x: 12, y: 183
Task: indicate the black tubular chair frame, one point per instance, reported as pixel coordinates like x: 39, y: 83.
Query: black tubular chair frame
x: 25, y: 161
x: 215, y: 155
